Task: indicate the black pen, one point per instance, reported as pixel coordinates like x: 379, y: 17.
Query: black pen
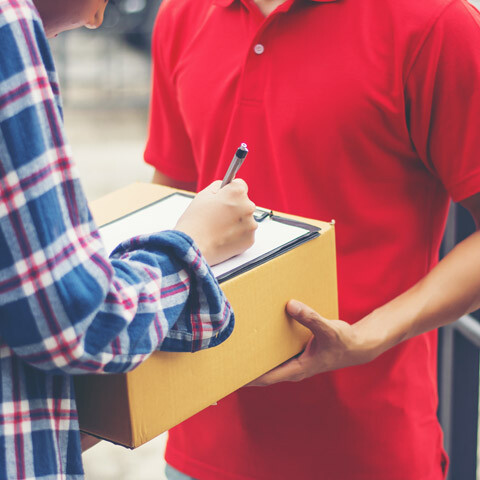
x: 235, y: 164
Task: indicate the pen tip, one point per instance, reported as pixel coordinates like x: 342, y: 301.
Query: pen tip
x: 243, y: 146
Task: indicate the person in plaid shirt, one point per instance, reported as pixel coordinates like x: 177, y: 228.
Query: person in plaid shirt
x: 65, y: 308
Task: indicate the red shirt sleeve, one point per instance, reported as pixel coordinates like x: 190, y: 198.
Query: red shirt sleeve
x: 168, y: 149
x: 443, y: 100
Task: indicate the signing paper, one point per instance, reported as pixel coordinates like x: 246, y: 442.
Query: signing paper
x: 164, y: 214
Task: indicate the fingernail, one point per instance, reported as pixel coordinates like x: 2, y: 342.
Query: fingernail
x: 293, y: 307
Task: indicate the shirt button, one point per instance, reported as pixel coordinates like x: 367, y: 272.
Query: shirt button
x: 258, y: 48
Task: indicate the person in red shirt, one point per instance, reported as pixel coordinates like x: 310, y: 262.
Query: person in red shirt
x: 362, y: 111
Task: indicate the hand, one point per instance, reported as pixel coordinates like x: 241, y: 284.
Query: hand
x: 220, y: 221
x: 334, y: 344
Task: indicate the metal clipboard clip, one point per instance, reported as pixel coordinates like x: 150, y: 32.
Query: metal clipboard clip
x: 261, y: 214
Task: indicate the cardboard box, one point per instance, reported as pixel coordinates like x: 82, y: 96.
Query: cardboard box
x: 132, y: 408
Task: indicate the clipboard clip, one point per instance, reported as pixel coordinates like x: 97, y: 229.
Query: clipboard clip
x: 261, y: 214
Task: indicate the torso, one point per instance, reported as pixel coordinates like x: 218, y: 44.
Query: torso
x: 319, y: 95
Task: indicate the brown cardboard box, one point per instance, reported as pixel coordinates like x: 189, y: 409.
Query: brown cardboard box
x: 132, y: 408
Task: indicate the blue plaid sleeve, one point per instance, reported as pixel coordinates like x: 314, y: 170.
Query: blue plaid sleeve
x: 64, y: 306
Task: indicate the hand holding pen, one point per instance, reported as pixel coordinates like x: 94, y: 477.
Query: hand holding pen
x: 220, y: 220
x: 237, y: 161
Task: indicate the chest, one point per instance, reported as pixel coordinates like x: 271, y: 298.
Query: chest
x: 308, y: 65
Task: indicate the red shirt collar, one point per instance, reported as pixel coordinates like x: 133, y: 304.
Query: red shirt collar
x: 226, y: 3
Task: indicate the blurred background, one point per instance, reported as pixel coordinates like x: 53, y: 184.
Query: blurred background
x: 105, y: 82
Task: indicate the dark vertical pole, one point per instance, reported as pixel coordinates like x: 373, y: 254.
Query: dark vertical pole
x: 445, y: 382
x: 464, y: 419
x: 446, y: 347
x: 459, y: 374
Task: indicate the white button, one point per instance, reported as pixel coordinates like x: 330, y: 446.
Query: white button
x: 258, y: 48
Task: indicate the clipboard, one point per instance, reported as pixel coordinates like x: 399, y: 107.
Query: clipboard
x: 275, y: 235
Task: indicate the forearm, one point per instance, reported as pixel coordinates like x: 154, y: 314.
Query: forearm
x: 449, y: 291
x: 109, y: 319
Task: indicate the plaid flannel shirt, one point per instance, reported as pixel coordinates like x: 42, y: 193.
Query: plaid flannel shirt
x: 65, y: 308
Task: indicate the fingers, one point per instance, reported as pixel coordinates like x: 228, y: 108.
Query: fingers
x: 237, y: 185
x: 250, y: 208
x: 240, y: 184
x: 290, y: 371
x: 214, y: 187
x: 242, y: 188
x: 303, y: 313
x: 238, y: 192
x: 309, y: 318
x: 237, y: 188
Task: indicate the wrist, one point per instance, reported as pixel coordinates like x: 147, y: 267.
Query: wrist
x: 369, y: 336
x: 207, y: 255
x: 205, y: 249
x: 197, y: 238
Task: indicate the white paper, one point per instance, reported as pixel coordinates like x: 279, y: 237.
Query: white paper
x: 164, y: 215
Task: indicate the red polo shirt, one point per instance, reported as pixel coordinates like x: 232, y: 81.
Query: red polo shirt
x: 365, y: 111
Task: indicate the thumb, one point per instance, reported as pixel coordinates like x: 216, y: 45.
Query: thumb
x: 307, y: 317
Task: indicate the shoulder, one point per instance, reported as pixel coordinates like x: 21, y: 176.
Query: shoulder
x: 177, y: 23
x: 180, y: 8
x: 27, y: 71
x: 407, y: 25
x: 181, y: 17
x: 182, y: 12
x: 22, y: 36
x: 16, y: 11
x: 446, y: 26
x: 420, y: 17
x: 20, y: 28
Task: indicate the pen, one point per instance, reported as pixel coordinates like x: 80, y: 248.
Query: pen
x: 235, y: 164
